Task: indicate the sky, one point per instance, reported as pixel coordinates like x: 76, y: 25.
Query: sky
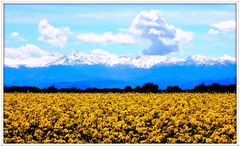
x: 44, y: 32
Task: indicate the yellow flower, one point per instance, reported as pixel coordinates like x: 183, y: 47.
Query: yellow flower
x: 106, y: 134
x: 208, y: 140
x: 106, y: 140
x: 232, y: 132
x: 119, y: 117
x: 96, y: 134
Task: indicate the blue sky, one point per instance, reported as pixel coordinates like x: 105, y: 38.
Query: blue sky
x: 177, y: 30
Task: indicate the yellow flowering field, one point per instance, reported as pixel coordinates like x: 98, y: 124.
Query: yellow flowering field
x: 119, y: 118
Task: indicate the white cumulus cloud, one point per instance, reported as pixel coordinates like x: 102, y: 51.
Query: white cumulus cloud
x: 165, y: 38
x: 28, y: 55
x: 52, y: 35
x: 225, y: 26
x: 16, y: 35
x: 213, y: 32
x: 222, y: 27
x: 107, y: 38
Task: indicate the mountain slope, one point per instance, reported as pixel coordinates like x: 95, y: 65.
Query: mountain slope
x: 118, y: 76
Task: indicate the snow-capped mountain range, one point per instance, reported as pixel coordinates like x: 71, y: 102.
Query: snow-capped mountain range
x: 97, y: 56
x: 104, y: 70
x: 79, y: 58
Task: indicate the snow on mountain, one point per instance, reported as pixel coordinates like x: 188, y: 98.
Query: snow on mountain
x: 98, y: 56
x: 111, y: 60
x: 206, y: 60
x: 105, y: 58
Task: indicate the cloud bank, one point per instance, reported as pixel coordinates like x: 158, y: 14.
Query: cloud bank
x: 28, y: 55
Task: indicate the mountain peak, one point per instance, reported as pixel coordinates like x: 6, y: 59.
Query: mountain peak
x: 145, y: 61
x: 207, y: 60
x: 97, y: 56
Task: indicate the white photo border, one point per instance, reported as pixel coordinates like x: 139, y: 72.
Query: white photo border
x: 236, y: 2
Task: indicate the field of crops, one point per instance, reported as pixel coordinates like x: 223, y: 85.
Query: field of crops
x: 119, y: 118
